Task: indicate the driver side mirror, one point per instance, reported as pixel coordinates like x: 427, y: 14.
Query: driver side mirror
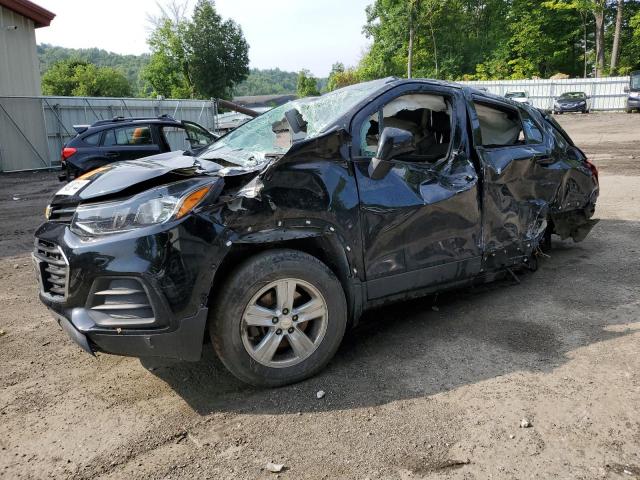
x: 393, y: 142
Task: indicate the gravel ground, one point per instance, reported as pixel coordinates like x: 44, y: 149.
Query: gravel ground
x: 415, y: 392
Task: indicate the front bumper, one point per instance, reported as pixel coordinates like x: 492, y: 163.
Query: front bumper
x: 633, y: 102
x: 140, y: 293
x: 184, y: 343
x: 570, y: 108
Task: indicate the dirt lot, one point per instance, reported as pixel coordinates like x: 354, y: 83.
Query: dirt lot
x: 416, y: 392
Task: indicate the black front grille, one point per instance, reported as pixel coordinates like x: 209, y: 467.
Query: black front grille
x: 53, y: 269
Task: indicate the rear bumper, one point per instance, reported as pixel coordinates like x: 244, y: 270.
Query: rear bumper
x: 184, y: 343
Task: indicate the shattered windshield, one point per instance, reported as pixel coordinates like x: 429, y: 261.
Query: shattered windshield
x: 273, y: 133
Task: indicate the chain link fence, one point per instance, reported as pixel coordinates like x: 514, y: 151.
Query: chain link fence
x: 34, y: 129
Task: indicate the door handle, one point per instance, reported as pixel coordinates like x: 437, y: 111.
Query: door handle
x: 543, y: 159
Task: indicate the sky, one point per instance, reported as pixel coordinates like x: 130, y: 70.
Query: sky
x: 288, y: 34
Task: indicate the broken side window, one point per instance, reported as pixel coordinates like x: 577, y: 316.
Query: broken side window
x: 532, y: 131
x: 500, y: 126
x: 426, y: 116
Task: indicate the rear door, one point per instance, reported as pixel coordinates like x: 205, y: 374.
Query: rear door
x: 129, y: 142
x: 421, y: 222
x: 518, y: 179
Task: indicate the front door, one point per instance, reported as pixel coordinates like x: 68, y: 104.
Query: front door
x: 421, y: 222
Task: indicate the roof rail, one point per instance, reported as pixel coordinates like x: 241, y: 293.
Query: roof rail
x: 129, y: 119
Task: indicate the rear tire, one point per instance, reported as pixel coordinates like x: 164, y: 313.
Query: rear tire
x: 249, y: 312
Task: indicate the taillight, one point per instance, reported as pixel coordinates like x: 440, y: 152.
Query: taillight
x: 67, y: 152
x: 593, y: 168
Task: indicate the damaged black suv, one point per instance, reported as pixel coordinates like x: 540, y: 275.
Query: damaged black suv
x: 278, y: 236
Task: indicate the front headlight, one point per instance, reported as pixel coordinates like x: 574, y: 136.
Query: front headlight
x: 158, y: 205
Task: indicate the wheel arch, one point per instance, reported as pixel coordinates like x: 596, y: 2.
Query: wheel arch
x: 324, y: 246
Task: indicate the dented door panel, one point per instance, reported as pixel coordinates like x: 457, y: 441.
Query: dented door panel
x: 525, y: 187
x: 421, y: 222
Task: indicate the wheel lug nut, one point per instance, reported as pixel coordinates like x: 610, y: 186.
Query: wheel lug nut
x: 279, y: 331
x: 285, y: 311
x: 295, y: 318
x: 290, y: 330
x: 274, y: 320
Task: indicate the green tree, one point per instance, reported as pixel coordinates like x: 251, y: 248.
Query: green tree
x: 450, y: 37
x: 129, y: 65
x: 307, y: 84
x: 167, y: 71
x: 80, y: 78
x: 267, y: 82
x: 201, y: 57
x: 630, y: 40
x: 341, y: 77
x: 218, y: 54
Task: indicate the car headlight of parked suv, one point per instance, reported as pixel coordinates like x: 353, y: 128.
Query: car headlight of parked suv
x: 158, y: 205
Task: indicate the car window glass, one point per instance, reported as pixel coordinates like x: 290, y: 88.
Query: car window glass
x: 109, y: 139
x: 499, y: 126
x: 138, y: 135
x: 531, y: 130
x: 198, y: 137
x: 175, y: 137
x: 426, y: 116
x: 92, y: 139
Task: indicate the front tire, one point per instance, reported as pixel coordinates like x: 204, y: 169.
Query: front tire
x: 279, y: 318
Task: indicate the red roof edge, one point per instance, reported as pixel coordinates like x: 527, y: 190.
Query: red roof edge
x: 40, y: 16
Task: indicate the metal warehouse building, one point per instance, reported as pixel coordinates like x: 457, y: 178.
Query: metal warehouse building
x: 19, y: 67
x: 21, y: 120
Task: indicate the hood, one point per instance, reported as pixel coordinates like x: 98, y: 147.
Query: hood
x: 519, y: 99
x: 132, y: 176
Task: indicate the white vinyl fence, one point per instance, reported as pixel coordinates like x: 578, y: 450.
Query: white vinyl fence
x: 606, y: 93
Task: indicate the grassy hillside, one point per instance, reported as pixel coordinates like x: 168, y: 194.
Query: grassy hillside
x: 129, y: 65
x: 259, y: 82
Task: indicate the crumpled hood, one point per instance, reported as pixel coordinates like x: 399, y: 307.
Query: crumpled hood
x: 117, y: 177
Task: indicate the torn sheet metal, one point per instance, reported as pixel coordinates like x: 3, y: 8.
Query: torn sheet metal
x: 524, y: 186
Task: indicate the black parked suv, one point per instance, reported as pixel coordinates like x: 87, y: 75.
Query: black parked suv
x: 275, y: 238
x: 121, y: 138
